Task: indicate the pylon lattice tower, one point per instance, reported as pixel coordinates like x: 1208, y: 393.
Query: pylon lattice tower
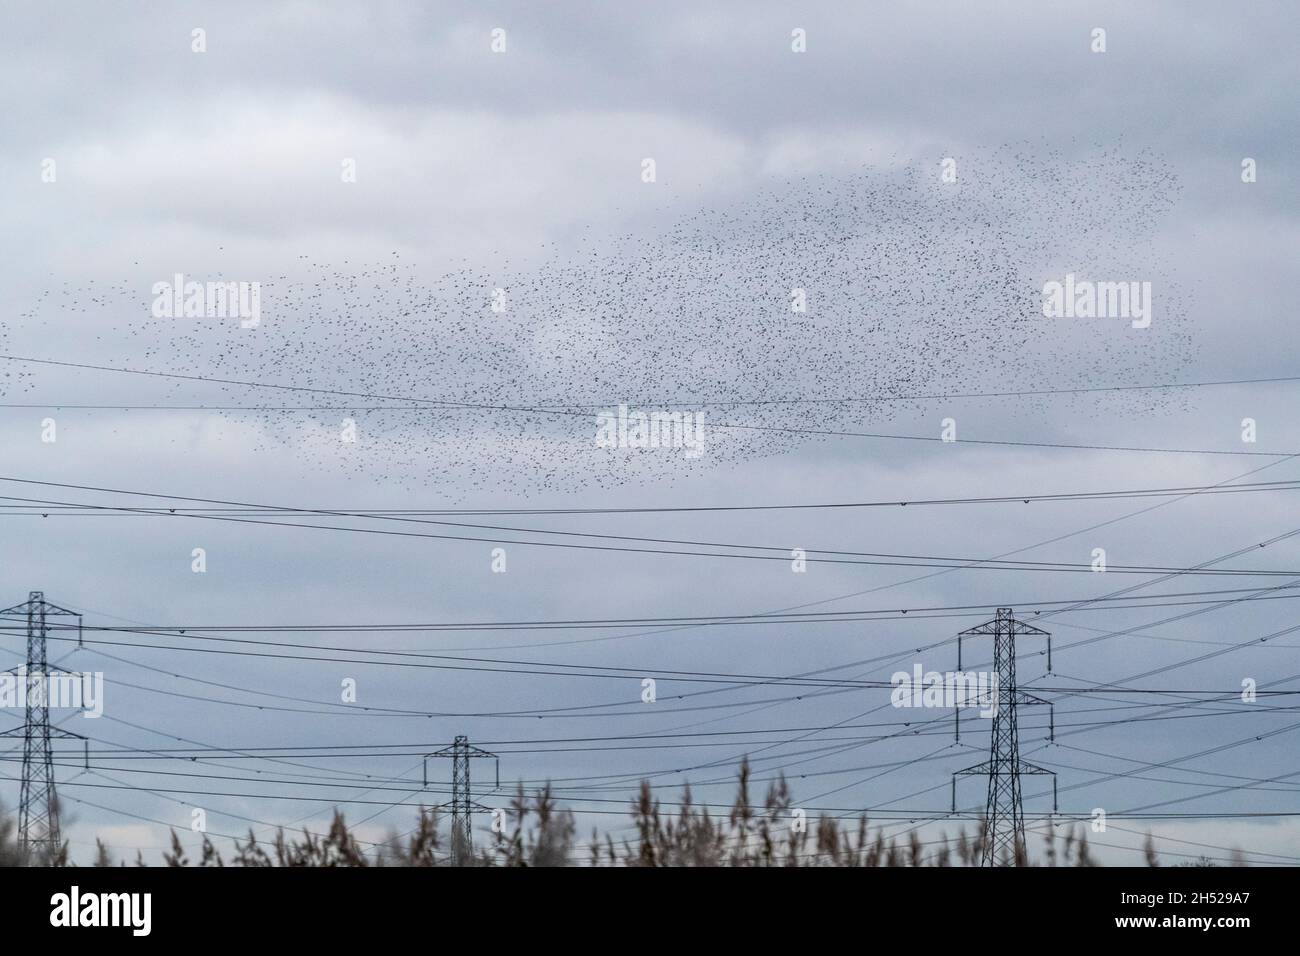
x: 39, y: 839
x: 1004, y: 837
x: 462, y: 804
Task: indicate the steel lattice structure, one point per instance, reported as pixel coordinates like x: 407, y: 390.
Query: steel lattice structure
x: 1004, y: 822
x: 462, y: 804
x: 38, y: 807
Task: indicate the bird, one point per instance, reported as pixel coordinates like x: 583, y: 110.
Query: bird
x: 908, y: 285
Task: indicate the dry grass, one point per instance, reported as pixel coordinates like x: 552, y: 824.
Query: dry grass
x: 539, y: 833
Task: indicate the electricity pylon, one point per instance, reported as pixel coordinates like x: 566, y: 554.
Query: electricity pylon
x: 462, y: 804
x: 39, y: 840
x: 1004, y: 837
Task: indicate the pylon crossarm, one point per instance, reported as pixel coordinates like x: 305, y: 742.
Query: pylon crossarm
x: 54, y: 609
x: 1023, y: 628
x: 473, y: 805
x: 989, y: 629
x: 1031, y: 768
x: 1024, y: 699
x: 20, y: 610
x: 56, y: 732
x: 48, y: 667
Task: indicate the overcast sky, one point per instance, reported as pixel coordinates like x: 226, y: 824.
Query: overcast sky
x: 775, y: 170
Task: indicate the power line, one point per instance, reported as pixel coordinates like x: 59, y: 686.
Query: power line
x: 896, y: 397
x: 810, y: 554
x: 855, y: 558
x: 546, y: 668
x: 927, y: 814
x: 1121, y: 494
x: 567, y: 411
x: 776, y: 617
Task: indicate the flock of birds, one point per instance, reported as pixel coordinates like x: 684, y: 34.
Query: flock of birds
x: 912, y: 286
